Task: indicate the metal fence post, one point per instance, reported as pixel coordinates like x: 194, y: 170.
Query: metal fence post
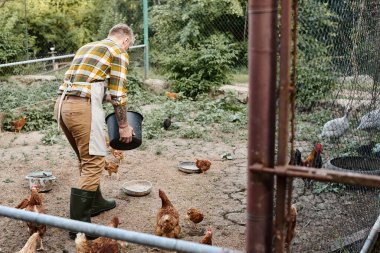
x: 146, y: 40
x: 261, y: 136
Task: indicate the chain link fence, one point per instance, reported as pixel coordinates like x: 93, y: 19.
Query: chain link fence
x: 337, y: 106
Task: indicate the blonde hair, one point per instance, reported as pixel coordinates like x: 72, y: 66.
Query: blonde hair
x: 122, y: 30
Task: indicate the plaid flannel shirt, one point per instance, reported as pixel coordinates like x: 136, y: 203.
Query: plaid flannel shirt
x: 96, y: 62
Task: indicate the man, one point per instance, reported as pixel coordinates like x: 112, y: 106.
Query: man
x: 97, y: 68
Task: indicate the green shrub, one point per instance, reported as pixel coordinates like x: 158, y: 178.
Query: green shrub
x: 195, y: 70
x: 51, y: 135
x: 37, y: 118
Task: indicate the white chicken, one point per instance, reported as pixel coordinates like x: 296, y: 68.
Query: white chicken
x: 334, y: 129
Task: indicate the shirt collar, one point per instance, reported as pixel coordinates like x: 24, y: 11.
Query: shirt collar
x: 109, y: 39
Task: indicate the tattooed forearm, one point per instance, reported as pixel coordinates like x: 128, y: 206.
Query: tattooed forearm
x: 121, y: 115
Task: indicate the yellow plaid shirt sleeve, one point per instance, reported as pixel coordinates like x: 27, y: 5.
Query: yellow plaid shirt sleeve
x: 117, y: 85
x: 97, y: 62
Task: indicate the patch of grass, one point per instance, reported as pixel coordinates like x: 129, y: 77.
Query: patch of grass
x: 13, y: 139
x: 26, y: 157
x: 158, y: 150
x: 240, y: 76
x: 320, y: 187
x: 13, y: 95
x: 188, y: 116
x: 191, y: 133
x: 227, y: 128
x: 144, y: 145
x: 8, y: 180
x: 51, y: 135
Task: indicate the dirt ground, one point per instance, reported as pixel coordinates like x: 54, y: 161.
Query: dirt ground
x: 221, y: 194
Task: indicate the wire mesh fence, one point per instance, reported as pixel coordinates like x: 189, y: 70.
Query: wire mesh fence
x: 338, y: 72
x: 29, y: 88
x: 337, y: 106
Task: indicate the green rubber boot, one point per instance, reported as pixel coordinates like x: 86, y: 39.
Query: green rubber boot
x: 100, y: 204
x: 80, y: 208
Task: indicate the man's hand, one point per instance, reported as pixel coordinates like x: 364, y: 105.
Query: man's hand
x: 126, y: 134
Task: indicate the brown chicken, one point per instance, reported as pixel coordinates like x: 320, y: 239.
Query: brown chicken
x: 318, y: 149
x: 291, y: 226
x: 194, y: 215
x: 34, y: 204
x: 171, y: 95
x: 18, y: 124
x: 167, y: 222
x: 203, y: 165
x: 118, y: 154
x: 207, y: 239
x: 314, y: 160
x: 31, y: 244
x: 107, y: 141
x: 112, y: 167
x: 101, y: 244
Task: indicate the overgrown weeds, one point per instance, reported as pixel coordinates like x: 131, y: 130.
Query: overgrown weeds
x: 190, y: 118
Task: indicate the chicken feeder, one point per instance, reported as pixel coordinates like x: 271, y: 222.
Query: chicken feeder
x: 42, y: 179
x: 134, y: 120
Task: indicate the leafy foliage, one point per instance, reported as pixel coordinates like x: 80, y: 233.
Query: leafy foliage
x: 52, y: 135
x: 191, y: 119
x: 315, y: 74
x: 35, y: 102
x: 13, y: 95
x: 197, y: 70
x: 12, y: 35
x: 202, y: 50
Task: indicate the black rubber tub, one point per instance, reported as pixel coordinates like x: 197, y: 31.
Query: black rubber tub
x: 356, y: 164
x: 134, y: 120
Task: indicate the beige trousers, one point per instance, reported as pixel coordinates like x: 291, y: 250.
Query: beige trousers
x: 76, y: 124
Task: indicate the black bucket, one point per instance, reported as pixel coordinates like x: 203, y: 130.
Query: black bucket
x: 134, y: 120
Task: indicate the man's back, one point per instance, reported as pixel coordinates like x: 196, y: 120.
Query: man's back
x: 97, y: 62
x: 92, y: 61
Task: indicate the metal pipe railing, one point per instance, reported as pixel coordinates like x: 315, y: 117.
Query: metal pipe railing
x: 323, y: 175
x: 36, y: 60
x: 110, y: 232
x: 373, y: 235
x: 48, y: 59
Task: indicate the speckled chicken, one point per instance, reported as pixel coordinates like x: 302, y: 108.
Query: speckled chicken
x: 31, y: 244
x: 194, y: 215
x: 334, y: 129
x: 167, y: 221
x: 370, y: 121
x: 34, y: 204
